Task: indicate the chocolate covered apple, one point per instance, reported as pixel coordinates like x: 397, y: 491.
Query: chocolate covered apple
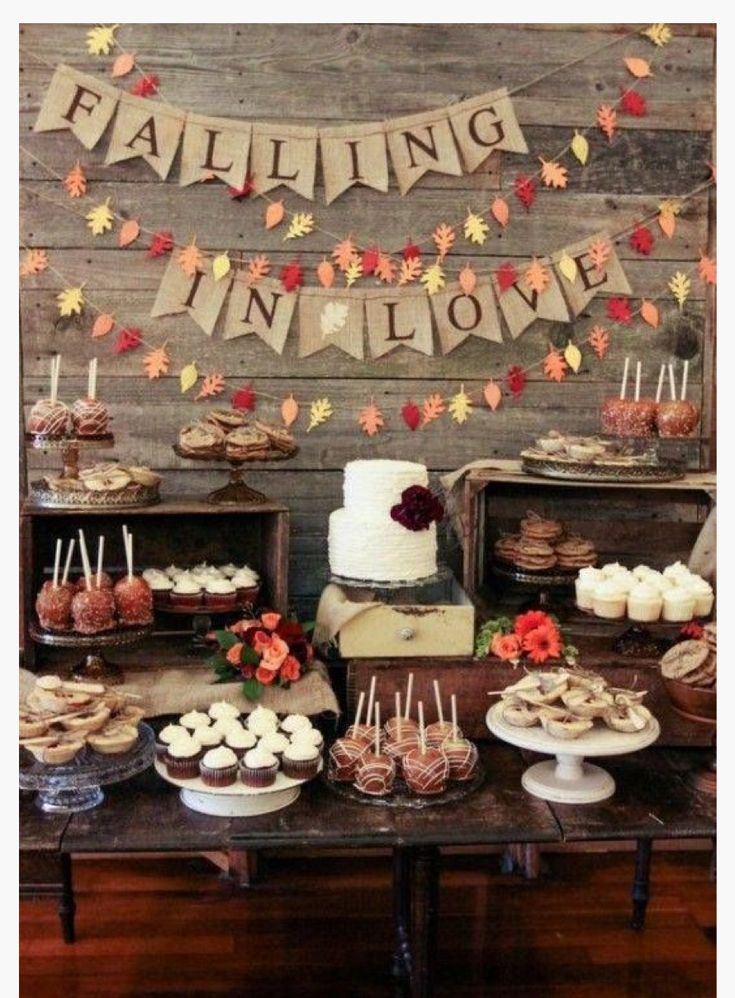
x: 89, y: 416
x: 49, y: 417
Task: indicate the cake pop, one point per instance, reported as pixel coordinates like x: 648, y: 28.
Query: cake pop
x: 88, y: 415
x: 50, y: 417
x: 425, y: 769
x: 133, y: 596
x: 375, y: 773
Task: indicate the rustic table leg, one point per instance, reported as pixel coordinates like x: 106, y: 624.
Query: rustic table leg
x: 402, y: 912
x: 67, y: 905
x: 424, y: 911
x: 641, y: 882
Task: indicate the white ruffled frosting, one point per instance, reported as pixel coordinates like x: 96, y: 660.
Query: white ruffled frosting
x: 610, y: 589
x: 151, y: 574
x: 676, y: 571
x: 301, y: 752
x: 207, y: 736
x: 641, y: 571
x: 697, y: 585
x: 183, y: 748
x: 219, y: 587
x: 259, y: 758
x: 186, y: 585
x: 219, y: 758
x: 311, y: 736
x: 590, y: 575
x: 240, y: 739
x: 644, y: 591
x: 228, y: 570
x: 195, y: 719
x: 274, y: 742
x: 225, y: 724
x: 171, y: 733
x: 612, y: 568
x: 222, y: 709
x: 245, y: 578
x: 173, y: 571
x: 161, y: 583
x: 679, y: 597
x: 262, y: 721
x: 623, y: 580
x: 292, y: 722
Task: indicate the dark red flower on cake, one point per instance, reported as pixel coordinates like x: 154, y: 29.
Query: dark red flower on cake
x: 530, y: 620
x: 418, y: 508
x: 542, y: 643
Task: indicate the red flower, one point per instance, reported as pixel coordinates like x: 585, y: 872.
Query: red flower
x: 692, y: 630
x: 542, y: 643
x: 270, y: 620
x: 261, y: 641
x: 291, y: 669
x: 529, y: 621
x: 264, y: 676
x: 234, y: 653
x: 418, y: 508
x: 506, y: 646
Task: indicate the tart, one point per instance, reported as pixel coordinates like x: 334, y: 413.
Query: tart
x: 114, y: 739
x: 54, y: 750
x: 226, y: 419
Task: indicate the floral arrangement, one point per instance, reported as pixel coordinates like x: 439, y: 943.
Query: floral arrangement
x: 533, y: 636
x: 418, y: 508
x: 264, y: 651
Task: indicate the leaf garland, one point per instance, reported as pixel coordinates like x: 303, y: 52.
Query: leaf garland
x: 213, y: 384
x: 707, y: 268
x: 516, y: 380
x: 353, y: 272
x: 162, y: 242
x: 385, y: 269
x: 302, y: 223
x: 641, y: 240
x: 320, y: 411
x: 103, y: 324
x: 467, y: 279
x: 221, y: 266
x: 325, y: 273
x: 146, y: 86
x: 637, y: 67
x: 190, y: 259
x: 444, y: 237
x: 292, y: 276
x: 127, y: 339
x: 371, y: 419
x: 156, y: 362
x: 680, y: 286
x: 506, y: 276
x: 555, y: 367
x: 75, y: 182
x: 599, y: 253
x: 433, y: 279
x: 659, y: 34
x: 632, y: 103
x: 432, y: 408
x: 573, y: 356
x: 649, y: 313
x: 369, y: 260
x: 100, y: 218
x: 568, y: 267
x: 668, y: 212
x: 553, y: 174
x: 475, y: 228
x: 124, y: 64
x: 492, y: 395
x: 34, y: 262
x: 599, y: 340
x: 460, y: 406
x: 619, y: 310
x: 70, y: 301
x: 244, y: 399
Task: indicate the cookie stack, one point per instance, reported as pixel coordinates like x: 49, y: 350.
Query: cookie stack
x: 693, y: 662
x: 575, y: 553
x: 543, y: 544
x: 226, y: 433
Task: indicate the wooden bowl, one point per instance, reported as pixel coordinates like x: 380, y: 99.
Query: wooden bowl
x: 692, y: 701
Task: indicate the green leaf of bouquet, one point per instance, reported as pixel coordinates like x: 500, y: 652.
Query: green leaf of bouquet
x: 252, y: 689
x: 226, y: 639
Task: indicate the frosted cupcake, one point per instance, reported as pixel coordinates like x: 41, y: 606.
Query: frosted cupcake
x: 276, y: 743
x: 228, y: 570
x: 173, y: 571
x: 195, y: 719
x: 612, y: 568
x: 182, y: 758
x: 262, y: 721
x: 293, y: 722
x: 218, y: 768
x: 644, y: 603
x: 258, y: 768
x: 623, y: 580
x: 247, y: 585
x: 240, y: 741
x: 223, y: 725
x: 300, y: 761
x: 186, y: 593
x: 310, y: 736
x: 677, y: 571
x: 609, y: 600
x: 223, y: 709
x: 679, y: 604
x: 207, y: 737
x: 153, y: 573
x: 220, y: 594
x: 703, y: 595
x: 584, y: 584
x: 166, y: 736
x: 641, y: 572
x: 161, y: 587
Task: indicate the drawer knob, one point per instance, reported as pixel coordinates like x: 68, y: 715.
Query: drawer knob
x: 406, y: 633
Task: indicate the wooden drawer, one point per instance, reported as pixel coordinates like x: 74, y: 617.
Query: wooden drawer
x: 409, y: 631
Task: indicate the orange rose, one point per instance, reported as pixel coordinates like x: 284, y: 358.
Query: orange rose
x: 261, y: 641
x: 270, y: 620
x: 274, y: 655
x: 264, y: 676
x: 291, y: 669
x: 234, y: 653
x: 506, y: 646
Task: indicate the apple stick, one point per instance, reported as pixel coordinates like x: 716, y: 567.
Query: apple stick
x: 67, y: 563
x: 128, y: 551
x: 371, y: 700
x: 624, y: 385
x: 659, y: 389
x: 57, y: 560
x: 100, y: 556
x: 438, y: 699
x: 672, y: 383
x: 92, y: 378
x: 409, y: 692
x: 398, y: 714
x: 684, y: 379
x: 85, y: 560
x: 454, y: 717
x: 422, y: 730
x: 377, y: 729
x: 358, y: 712
x: 55, y: 372
x: 130, y: 555
x: 638, y: 381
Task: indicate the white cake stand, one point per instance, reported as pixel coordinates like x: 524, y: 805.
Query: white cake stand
x: 569, y: 779
x: 237, y: 800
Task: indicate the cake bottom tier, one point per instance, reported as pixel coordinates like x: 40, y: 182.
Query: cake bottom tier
x: 379, y: 550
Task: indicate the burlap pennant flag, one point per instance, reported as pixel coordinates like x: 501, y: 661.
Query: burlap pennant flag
x: 458, y: 315
x: 216, y: 146
x: 401, y: 319
x: 521, y: 306
x: 331, y: 318
x: 201, y: 296
x: 419, y: 143
x: 148, y: 129
x: 588, y: 280
x: 78, y: 102
x: 356, y: 154
x: 263, y: 308
x: 483, y: 124
x: 284, y: 155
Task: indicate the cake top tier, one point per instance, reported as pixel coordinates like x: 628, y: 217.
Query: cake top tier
x: 375, y: 486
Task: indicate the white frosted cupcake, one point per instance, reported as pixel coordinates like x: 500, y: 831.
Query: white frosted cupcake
x: 228, y: 570
x: 161, y: 588
x: 677, y: 571
x: 292, y: 722
x: 240, y: 741
x: 182, y: 758
x: 623, y: 580
x: 258, y: 768
x: 247, y: 584
x: 224, y: 725
x: 609, y: 600
x: 149, y: 574
x: 167, y: 735
x: 641, y: 571
x: 207, y: 737
x: 275, y: 743
x: 612, y: 568
x: 218, y: 768
x: 585, y: 584
x: 187, y: 592
x: 223, y: 709
x: 703, y: 595
x: 644, y: 603
x: 300, y: 761
x: 679, y: 604
x: 262, y: 721
x: 219, y: 594
x: 310, y: 736
x: 195, y: 719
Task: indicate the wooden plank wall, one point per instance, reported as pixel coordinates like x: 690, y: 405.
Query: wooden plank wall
x: 319, y: 74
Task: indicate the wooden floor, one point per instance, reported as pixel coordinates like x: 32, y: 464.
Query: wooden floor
x: 323, y: 927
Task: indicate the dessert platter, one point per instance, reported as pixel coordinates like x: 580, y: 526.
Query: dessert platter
x: 225, y: 435
x: 233, y: 767
x: 542, y: 552
x: 76, y: 737
x: 644, y: 595
x: 404, y: 763
x: 203, y: 588
x: 572, y: 714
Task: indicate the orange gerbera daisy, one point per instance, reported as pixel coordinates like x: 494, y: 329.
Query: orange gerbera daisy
x: 542, y: 643
x: 506, y: 646
x: 529, y: 621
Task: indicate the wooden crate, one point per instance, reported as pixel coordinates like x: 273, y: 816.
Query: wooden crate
x: 184, y: 531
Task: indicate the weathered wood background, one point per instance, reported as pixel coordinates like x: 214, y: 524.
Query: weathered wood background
x: 337, y: 74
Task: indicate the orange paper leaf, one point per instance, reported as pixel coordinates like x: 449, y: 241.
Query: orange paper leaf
x: 385, y: 268
x: 492, y: 394
x: 258, y: 267
x: 410, y: 270
x: 443, y: 236
x: 467, y: 279
x: 707, y: 267
x: 500, y: 211
x: 344, y: 254
x: 599, y: 340
x: 555, y: 367
x: 75, y: 181
x: 190, y: 259
x: 649, y: 313
x: 599, y: 253
x: 103, y: 324
x: 129, y: 232
x: 34, y: 262
x: 371, y: 419
x: 155, y: 362
x: 667, y: 223
x: 607, y: 119
x: 213, y: 384
x: 274, y: 214
x: 536, y: 276
x: 325, y: 273
x: 432, y: 408
x: 553, y: 174
x: 289, y: 410
x: 123, y: 65
x: 637, y: 67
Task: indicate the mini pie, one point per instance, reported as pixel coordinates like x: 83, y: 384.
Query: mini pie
x: 30, y: 725
x: 143, y: 476
x: 113, y: 739
x: 112, y: 481
x: 536, y: 528
x: 54, y: 750
x: 506, y: 548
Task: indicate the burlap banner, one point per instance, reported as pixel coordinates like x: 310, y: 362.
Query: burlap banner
x: 146, y: 128
x: 264, y: 309
x: 521, y: 306
x: 355, y: 154
x: 215, y: 146
x: 483, y: 124
x: 83, y: 104
x: 458, y: 315
x: 331, y: 318
x: 420, y: 143
x: 402, y: 319
x: 201, y: 296
x: 589, y: 281
x: 284, y: 155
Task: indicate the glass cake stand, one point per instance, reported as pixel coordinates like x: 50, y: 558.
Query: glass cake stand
x: 93, y: 666
x: 77, y: 785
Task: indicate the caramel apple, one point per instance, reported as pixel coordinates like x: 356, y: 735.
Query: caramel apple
x: 49, y: 418
x: 93, y: 611
x: 628, y: 418
x: 133, y: 601
x: 90, y: 418
x: 676, y: 419
x: 105, y: 582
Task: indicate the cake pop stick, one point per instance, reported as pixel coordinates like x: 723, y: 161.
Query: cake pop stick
x: 672, y: 383
x: 409, y: 692
x: 85, y: 560
x: 422, y: 730
x: 438, y: 699
x: 371, y: 700
x: 660, y: 387
x: 358, y: 712
x: 398, y: 714
x: 624, y: 384
x: 684, y: 379
x: 100, y: 555
x: 377, y: 729
x: 57, y: 560
x: 67, y: 563
x: 638, y: 381
x: 454, y: 717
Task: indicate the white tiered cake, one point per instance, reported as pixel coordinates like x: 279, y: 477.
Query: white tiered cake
x: 364, y: 541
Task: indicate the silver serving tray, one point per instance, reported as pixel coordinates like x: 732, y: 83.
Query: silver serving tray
x: 548, y: 466
x: 131, y: 496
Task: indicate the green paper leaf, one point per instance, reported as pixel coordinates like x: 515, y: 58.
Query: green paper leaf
x: 252, y: 689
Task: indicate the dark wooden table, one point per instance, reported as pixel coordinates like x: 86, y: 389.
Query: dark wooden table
x: 653, y: 800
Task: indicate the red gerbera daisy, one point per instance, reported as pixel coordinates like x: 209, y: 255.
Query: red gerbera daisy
x: 530, y: 620
x: 542, y: 643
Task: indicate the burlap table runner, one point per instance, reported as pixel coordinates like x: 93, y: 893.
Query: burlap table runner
x: 335, y: 610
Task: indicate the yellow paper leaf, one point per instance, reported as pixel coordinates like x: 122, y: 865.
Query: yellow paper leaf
x: 190, y: 259
x: 573, y: 356
x: 100, y: 218
x: 101, y: 39
x: 537, y: 276
x: 460, y: 406
x: 103, y: 324
x: 493, y: 395
x: 71, y: 301
x: 680, y: 285
x: 659, y: 34
x: 274, y: 214
x: 75, y: 181
x: 123, y: 65
x: 553, y: 174
x: 221, y: 266
x: 188, y: 377
x: 353, y: 272
x: 302, y: 224
x: 637, y: 67
x: 34, y: 262
x: 433, y: 279
x: 475, y: 228
x: 500, y: 211
x: 156, y: 362
x: 580, y: 148
x: 568, y: 266
x: 320, y: 411
x: 289, y: 410
x: 129, y: 232
x: 467, y: 279
x: 371, y: 419
x: 649, y: 313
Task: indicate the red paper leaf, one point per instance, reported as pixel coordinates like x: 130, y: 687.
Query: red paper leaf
x: 619, y: 310
x: 370, y: 260
x: 127, y: 339
x: 411, y: 415
x: 146, y: 85
x: 525, y: 190
x: 515, y: 379
x: 292, y: 275
x: 642, y: 240
x: 244, y: 398
x: 162, y: 242
x: 506, y: 276
x: 633, y: 103
x: 411, y: 251
x: 240, y: 193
